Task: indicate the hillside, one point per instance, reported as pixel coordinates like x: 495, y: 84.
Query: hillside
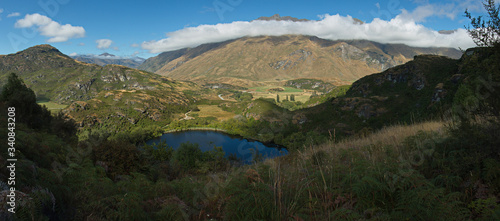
x: 55, y: 76
x: 105, y: 59
x: 251, y: 61
x: 113, y: 96
x: 419, y: 90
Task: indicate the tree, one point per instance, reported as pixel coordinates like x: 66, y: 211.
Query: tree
x: 277, y: 98
x: 187, y: 155
x: 16, y: 94
x: 292, y: 97
x: 485, y: 32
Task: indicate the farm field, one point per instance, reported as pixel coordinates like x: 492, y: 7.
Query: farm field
x: 266, y: 88
x: 263, y: 92
x: 213, y: 111
x: 302, y: 96
x: 53, y: 107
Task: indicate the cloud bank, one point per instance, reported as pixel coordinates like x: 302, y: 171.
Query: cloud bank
x: 49, y: 28
x: 403, y: 29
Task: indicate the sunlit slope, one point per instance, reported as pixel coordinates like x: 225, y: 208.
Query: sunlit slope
x: 253, y: 60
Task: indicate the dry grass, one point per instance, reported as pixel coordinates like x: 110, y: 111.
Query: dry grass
x: 214, y: 111
x: 392, y: 137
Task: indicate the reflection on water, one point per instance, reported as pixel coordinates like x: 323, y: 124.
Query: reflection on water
x: 242, y: 148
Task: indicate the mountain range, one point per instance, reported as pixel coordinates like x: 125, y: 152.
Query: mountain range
x: 255, y: 61
x: 106, y: 58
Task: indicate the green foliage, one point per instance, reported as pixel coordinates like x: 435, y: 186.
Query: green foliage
x: 158, y: 152
x: 242, y: 97
x: 485, y: 208
x: 16, y: 94
x: 188, y: 155
x: 119, y: 157
x: 485, y: 32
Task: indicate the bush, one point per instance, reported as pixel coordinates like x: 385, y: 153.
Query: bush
x: 188, y: 155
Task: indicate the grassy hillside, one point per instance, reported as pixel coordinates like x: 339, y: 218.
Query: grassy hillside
x: 112, y: 98
x: 57, y: 77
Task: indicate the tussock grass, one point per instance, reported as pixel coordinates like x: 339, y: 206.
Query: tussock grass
x: 392, y: 135
x: 343, y: 180
x: 377, y: 146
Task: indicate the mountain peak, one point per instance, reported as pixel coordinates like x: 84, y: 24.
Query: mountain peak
x: 107, y: 55
x: 41, y: 51
x: 277, y: 17
x: 43, y: 48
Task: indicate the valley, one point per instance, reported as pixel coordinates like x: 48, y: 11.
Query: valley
x: 118, y: 100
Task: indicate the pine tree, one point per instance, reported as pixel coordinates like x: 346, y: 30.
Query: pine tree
x: 277, y: 98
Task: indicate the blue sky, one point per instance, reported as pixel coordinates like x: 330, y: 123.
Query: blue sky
x: 145, y: 28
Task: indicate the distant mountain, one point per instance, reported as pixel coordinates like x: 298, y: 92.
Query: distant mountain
x: 252, y: 61
x: 277, y: 17
x: 106, y: 58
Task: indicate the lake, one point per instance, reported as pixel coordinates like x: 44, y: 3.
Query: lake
x: 206, y: 140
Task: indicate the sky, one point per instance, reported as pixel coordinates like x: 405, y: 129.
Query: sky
x: 145, y: 28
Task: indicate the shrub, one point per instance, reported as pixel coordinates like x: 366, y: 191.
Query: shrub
x: 187, y: 155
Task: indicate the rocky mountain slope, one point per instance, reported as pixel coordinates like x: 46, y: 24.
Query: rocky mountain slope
x: 112, y: 96
x: 105, y: 59
x: 251, y: 61
x: 55, y: 76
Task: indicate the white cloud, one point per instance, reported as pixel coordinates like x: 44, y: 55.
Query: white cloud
x: 1, y: 11
x: 134, y: 45
x: 377, y: 5
x: 103, y: 43
x: 400, y: 29
x: 14, y: 14
x: 49, y: 28
x: 81, y: 44
x: 73, y: 54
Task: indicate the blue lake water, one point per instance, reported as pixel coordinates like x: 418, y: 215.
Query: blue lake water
x: 206, y: 140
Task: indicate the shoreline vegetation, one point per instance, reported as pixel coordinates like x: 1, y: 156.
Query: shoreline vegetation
x: 267, y: 143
